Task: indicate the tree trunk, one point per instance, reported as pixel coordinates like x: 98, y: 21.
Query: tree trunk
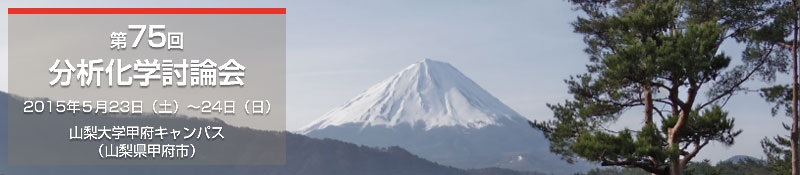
x: 795, y: 119
x: 648, y: 110
x: 675, y: 166
x: 648, y: 106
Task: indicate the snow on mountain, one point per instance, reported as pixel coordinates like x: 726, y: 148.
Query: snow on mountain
x: 431, y: 93
x: 433, y: 110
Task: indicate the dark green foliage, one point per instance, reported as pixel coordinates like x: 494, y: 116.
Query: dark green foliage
x: 779, y: 156
x: 747, y: 166
x: 777, y: 149
x: 713, y: 124
x: 616, y: 171
x: 701, y: 168
x: 776, y: 38
x: 743, y: 167
x: 660, y: 55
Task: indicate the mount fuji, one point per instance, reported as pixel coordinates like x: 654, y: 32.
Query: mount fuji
x: 435, y: 111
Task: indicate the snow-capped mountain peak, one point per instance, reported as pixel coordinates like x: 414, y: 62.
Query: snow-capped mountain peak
x: 428, y: 93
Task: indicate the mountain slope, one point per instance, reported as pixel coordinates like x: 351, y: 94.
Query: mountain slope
x: 740, y: 158
x: 431, y: 93
x: 435, y: 111
x: 304, y: 155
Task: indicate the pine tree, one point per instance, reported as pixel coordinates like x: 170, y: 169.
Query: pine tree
x: 781, y: 29
x: 659, y: 55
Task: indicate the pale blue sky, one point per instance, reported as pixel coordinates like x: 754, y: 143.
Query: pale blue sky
x: 520, y: 51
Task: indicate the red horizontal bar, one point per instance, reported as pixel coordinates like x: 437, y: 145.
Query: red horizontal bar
x: 146, y: 10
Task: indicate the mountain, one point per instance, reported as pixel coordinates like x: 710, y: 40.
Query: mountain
x: 740, y: 158
x: 435, y: 111
x: 432, y: 93
x: 304, y: 155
